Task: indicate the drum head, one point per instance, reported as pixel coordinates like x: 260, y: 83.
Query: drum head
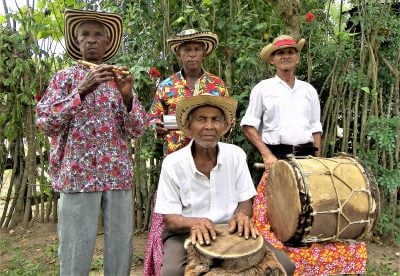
x: 228, y: 246
x: 282, y: 196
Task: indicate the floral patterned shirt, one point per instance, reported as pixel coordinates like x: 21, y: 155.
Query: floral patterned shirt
x: 89, y: 138
x: 174, y: 87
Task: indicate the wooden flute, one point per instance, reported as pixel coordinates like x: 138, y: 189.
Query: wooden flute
x: 87, y: 63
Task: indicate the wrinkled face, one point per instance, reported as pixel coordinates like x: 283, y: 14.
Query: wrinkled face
x: 285, y: 59
x: 191, y: 55
x: 92, y: 39
x: 206, y: 124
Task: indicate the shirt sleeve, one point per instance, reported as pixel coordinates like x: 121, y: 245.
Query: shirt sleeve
x: 254, y: 111
x: 244, y: 183
x: 57, y: 106
x: 168, y: 196
x: 315, y: 121
x: 135, y: 122
x: 157, y: 108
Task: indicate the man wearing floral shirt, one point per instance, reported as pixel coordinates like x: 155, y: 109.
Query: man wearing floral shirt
x: 190, y: 47
x: 90, y: 114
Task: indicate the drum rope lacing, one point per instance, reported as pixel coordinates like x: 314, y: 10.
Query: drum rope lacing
x: 307, y: 213
x: 339, y: 210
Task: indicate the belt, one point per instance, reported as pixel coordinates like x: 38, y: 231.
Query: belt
x: 292, y: 148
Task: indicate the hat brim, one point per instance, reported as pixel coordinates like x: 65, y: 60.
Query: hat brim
x: 209, y: 39
x: 185, y: 105
x: 111, y: 21
x: 270, y: 48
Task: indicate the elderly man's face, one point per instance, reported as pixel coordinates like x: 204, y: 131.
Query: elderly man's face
x: 285, y: 59
x: 191, y: 55
x: 206, y: 125
x: 93, y: 41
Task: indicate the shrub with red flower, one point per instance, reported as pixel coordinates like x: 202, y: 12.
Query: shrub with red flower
x: 154, y: 73
x: 310, y: 17
x: 38, y: 97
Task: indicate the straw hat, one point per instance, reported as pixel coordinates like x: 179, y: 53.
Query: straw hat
x: 185, y: 105
x: 209, y: 39
x: 111, y: 21
x: 281, y: 42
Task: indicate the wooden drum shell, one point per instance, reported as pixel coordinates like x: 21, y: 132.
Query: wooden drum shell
x: 321, y: 199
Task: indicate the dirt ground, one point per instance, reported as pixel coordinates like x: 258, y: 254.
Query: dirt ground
x: 33, y: 251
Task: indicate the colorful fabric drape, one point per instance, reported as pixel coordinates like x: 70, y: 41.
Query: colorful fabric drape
x: 317, y: 258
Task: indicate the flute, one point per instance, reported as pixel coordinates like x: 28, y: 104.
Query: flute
x: 87, y: 63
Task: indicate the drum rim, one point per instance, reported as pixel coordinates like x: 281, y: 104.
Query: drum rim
x: 271, y: 197
x: 205, y: 249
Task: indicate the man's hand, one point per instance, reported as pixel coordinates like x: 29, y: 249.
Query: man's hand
x: 269, y: 160
x: 95, y: 76
x: 243, y: 225
x: 160, y: 130
x: 124, y: 85
x: 203, y: 230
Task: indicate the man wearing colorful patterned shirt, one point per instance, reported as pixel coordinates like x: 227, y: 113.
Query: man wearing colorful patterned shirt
x: 190, y: 47
x: 90, y: 115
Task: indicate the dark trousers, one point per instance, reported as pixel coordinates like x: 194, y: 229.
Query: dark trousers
x: 282, y: 151
x: 174, y: 261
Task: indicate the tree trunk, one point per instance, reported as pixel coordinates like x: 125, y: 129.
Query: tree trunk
x: 290, y: 12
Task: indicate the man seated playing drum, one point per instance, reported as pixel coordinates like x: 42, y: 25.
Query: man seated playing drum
x: 205, y: 183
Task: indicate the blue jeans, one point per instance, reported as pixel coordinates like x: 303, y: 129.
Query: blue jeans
x: 78, y: 215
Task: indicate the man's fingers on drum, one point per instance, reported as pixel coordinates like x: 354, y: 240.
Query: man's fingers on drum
x: 254, y: 231
x: 196, y: 235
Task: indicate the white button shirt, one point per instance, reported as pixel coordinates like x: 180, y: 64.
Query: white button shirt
x: 284, y: 115
x: 183, y: 190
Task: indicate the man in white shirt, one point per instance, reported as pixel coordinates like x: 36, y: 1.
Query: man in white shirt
x: 283, y: 115
x: 205, y: 183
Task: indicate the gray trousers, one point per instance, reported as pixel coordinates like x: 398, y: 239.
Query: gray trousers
x: 175, y: 258
x: 78, y: 215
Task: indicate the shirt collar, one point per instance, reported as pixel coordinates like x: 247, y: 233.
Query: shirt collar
x: 182, y: 73
x: 278, y: 80
x: 219, y: 156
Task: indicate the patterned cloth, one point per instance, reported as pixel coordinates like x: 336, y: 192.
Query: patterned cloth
x: 89, y: 138
x: 164, y: 102
x: 154, y: 247
x: 318, y: 258
x: 174, y: 87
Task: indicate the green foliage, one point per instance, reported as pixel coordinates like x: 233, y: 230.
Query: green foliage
x: 383, y: 132
x: 387, y: 225
x: 20, y: 266
x: 97, y: 264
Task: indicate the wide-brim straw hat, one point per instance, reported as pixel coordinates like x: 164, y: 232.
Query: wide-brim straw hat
x: 185, y: 105
x: 209, y: 39
x: 281, y: 42
x: 111, y: 21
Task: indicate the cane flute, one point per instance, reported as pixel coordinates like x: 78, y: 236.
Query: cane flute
x: 87, y: 63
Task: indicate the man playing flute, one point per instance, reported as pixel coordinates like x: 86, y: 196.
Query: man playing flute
x: 90, y: 114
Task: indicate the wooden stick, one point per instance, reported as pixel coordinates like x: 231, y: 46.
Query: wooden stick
x: 87, y: 63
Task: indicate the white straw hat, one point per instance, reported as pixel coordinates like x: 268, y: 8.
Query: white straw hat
x: 185, y: 105
x: 281, y: 42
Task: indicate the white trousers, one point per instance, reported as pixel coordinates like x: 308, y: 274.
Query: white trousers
x: 78, y: 215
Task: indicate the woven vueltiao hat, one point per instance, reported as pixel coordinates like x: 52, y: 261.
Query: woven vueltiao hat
x: 281, y: 42
x: 185, y: 105
x: 111, y: 21
x: 209, y: 39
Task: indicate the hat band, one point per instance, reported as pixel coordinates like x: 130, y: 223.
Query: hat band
x: 285, y: 42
